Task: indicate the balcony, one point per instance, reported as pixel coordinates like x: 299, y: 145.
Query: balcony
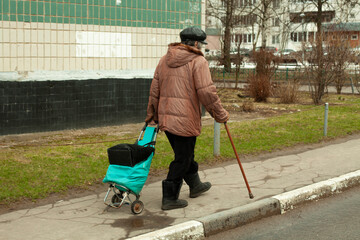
x: 327, y: 16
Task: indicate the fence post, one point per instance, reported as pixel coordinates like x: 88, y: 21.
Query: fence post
x: 224, y: 76
x: 287, y: 74
x: 326, y: 118
x: 216, y: 139
x: 275, y: 75
x: 352, y: 86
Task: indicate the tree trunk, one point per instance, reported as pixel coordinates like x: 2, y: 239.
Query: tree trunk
x: 227, y: 35
x: 320, y: 81
x: 227, y: 44
x: 263, y: 24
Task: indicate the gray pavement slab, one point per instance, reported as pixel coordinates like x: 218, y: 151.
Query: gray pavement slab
x: 89, y: 218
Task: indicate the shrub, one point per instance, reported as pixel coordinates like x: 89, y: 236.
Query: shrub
x: 248, y: 106
x: 288, y: 92
x: 356, y: 80
x: 259, y: 87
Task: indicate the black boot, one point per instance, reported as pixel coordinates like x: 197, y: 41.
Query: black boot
x: 196, y: 186
x: 171, y: 191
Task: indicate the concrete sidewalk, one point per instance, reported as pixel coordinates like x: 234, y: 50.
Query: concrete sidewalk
x: 226, y: 205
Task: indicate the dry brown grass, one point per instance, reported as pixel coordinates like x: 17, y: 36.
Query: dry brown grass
x: 288, y: 92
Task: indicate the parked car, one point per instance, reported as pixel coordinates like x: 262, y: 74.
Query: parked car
x: 242, y: 51
x: 309, y: 55
x: 267, y: 49
x: 312, y: 50
x: 247, y: 54
x: 285, y: 52
x: 356, y: 51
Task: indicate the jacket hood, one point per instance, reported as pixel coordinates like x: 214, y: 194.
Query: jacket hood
x: 180, y: 54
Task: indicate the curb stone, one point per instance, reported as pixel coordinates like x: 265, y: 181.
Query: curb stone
x: 187, y: 230
x: 318, y: 190
x: 232, y: 218
x: 239, y: 216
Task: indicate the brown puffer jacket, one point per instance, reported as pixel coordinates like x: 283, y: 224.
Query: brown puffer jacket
x: 181, y: 82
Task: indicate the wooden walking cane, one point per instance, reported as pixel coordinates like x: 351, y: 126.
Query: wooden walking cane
x: 238, y: 159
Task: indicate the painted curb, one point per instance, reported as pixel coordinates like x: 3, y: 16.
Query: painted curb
x: 318, y: 190
x: 188, y: 230
x: 239, y: 216
x: 232, y: 218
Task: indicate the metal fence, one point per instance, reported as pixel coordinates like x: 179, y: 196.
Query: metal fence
x: 243, y: 74
x: 280, y: 75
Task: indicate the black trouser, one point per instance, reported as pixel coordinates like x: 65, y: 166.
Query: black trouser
x: 184, y: 162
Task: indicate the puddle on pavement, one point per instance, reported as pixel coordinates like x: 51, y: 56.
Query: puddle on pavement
x: 146, y: 220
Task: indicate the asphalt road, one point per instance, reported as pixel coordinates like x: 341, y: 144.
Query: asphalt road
x: 336, y: 217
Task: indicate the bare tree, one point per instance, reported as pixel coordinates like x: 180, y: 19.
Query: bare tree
x: 321, y: 81
x: 225, y: 11
x: 346, y: 8
x: 318, y: 70
x: 263, y: 13
x: 259, y: 85
x: 325, y: 67
x: 238, y: 13
x: 339, y: 55
x: 260, y: 13
x: 356, y: 79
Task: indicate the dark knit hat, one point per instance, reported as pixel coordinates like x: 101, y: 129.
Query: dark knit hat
x: 193, y: 34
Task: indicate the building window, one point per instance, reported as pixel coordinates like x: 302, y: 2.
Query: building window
x: 298, y: 36
x: 301, y: 1
x: 276, y: 3
x: 247, y: 20
x: 304, y: 36
x: 250, y: 38
x: 275, y: 39
x: 244, y: 3
x: 276, y: 22
x: 236, y: 38
x: 354, y: 37
x: 344, y: 37
x: 312, y: 36
x: 243, y: 38
x: 327, y: 16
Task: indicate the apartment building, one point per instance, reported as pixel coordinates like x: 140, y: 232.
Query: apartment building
x: 83, y: 63
x: 288, y: 23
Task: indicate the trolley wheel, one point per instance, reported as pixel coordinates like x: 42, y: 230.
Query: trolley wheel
x: 117, y: 198
x: 137, y: 207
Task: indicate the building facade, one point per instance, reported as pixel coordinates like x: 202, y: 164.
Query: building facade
x: 81, y: 63
x: 285, y: 24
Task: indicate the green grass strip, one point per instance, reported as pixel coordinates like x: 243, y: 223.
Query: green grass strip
x: 35, y: 172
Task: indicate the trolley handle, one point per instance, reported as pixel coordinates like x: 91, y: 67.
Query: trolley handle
x: 142, y: 131
x: 144, y: 127
x: 155, y: 133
